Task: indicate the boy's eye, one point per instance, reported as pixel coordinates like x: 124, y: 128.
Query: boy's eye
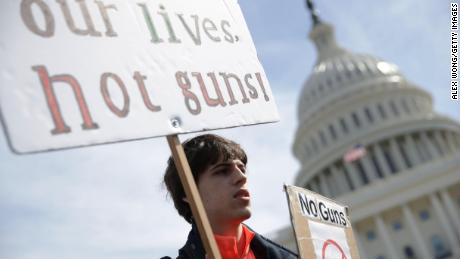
x: 222, y: 171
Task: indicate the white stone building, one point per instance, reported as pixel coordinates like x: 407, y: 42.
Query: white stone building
x: 404, y: 194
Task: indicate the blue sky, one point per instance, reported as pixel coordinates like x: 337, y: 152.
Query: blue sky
x: 108, y: 202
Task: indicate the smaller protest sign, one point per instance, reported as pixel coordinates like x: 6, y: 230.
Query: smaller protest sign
x: 322, y: 227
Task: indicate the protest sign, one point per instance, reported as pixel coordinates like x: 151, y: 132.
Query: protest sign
x: 79, y: 72
x: 76, y: 73
x: 322, y: 227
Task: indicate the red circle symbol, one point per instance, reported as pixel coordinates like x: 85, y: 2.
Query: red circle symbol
x: 332, y: 242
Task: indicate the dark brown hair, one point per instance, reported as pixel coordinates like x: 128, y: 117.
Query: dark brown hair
x: 201, y: 151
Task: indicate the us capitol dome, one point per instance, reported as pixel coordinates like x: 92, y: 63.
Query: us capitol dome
x: 404, y: 191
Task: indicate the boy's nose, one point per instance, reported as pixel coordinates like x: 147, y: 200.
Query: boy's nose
x: 238, y: 174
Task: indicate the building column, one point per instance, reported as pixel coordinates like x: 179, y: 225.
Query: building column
x: 429, y: 145
x: 360, y: 244
x: 374, y: 113
x: 332, y: 183
x: 451, y: 210
x: 354, y: 175
x: 351, y: 124
x: 416, y: 234
x: 338, y: 129
x: 400, y: 108
x: 412, y: 150
x: 382, y: 161
x: 307, y: 151
x: 440, y: 141
x: 369, y: 169
x: 314, y: 184
x: 314, y: 144
x: 345, y: 130
x: 397, y: 156
x: 363, y: 118
x: 340, y: 180
x: 449, y: 146
x: 451, y: 142
x: 388, y: 112
x: 328, y: 137
x: 323, y: 183
x: 438, y: 209
x: 455, y: 139
x: 382, y: 231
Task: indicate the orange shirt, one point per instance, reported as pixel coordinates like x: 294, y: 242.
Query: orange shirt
x: 228, y: 246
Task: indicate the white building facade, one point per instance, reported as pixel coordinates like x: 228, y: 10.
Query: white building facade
x: 404, y: 194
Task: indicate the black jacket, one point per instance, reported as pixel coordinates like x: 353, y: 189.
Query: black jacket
x: 262, y: 248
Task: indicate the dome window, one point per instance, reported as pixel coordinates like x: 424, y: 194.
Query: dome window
x: 409, y: 252
x: 369, y: 67
x: 361, y: 67
x: 307, y: 150
x: 424, y: 215
x: 356, y: 119
x: 321, y: 89
x: 370, y: 235
x: 381, y: 111
x: 344, y: 125
x: 397, y: 226
x: 439, y: 247
x: 323, y: 138
x: 351, y: 65
x: 338, y: 78
x: 368, y: 114
x: 405, y: 106
x: 332, y: 131
x: 340, y: 69
x: 313, y: 93
x: 393, y: 108
x: 314, y: 145
x: 414, y: 104
x: 457, y: 139
x: 348, y: 74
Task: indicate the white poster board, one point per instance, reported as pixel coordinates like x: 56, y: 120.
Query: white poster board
x: 322, y: 227
x: 76, y: 73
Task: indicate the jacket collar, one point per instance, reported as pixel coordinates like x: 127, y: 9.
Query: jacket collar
x: 193, y: 248
x: 261, y: 247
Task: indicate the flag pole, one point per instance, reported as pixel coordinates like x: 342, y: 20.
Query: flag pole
x: 193, y: 197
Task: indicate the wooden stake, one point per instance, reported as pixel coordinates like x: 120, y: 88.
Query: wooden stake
x: 193, y: 197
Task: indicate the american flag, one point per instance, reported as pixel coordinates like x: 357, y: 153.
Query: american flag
x: 354, y: 153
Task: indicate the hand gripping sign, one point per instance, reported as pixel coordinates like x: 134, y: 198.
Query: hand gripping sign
x: 78, y: 73
x: 322, y: 227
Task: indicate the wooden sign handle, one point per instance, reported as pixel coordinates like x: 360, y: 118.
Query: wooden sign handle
x: 193, y: 197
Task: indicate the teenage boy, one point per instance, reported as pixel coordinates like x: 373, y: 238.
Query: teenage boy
x: 218, y: 166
